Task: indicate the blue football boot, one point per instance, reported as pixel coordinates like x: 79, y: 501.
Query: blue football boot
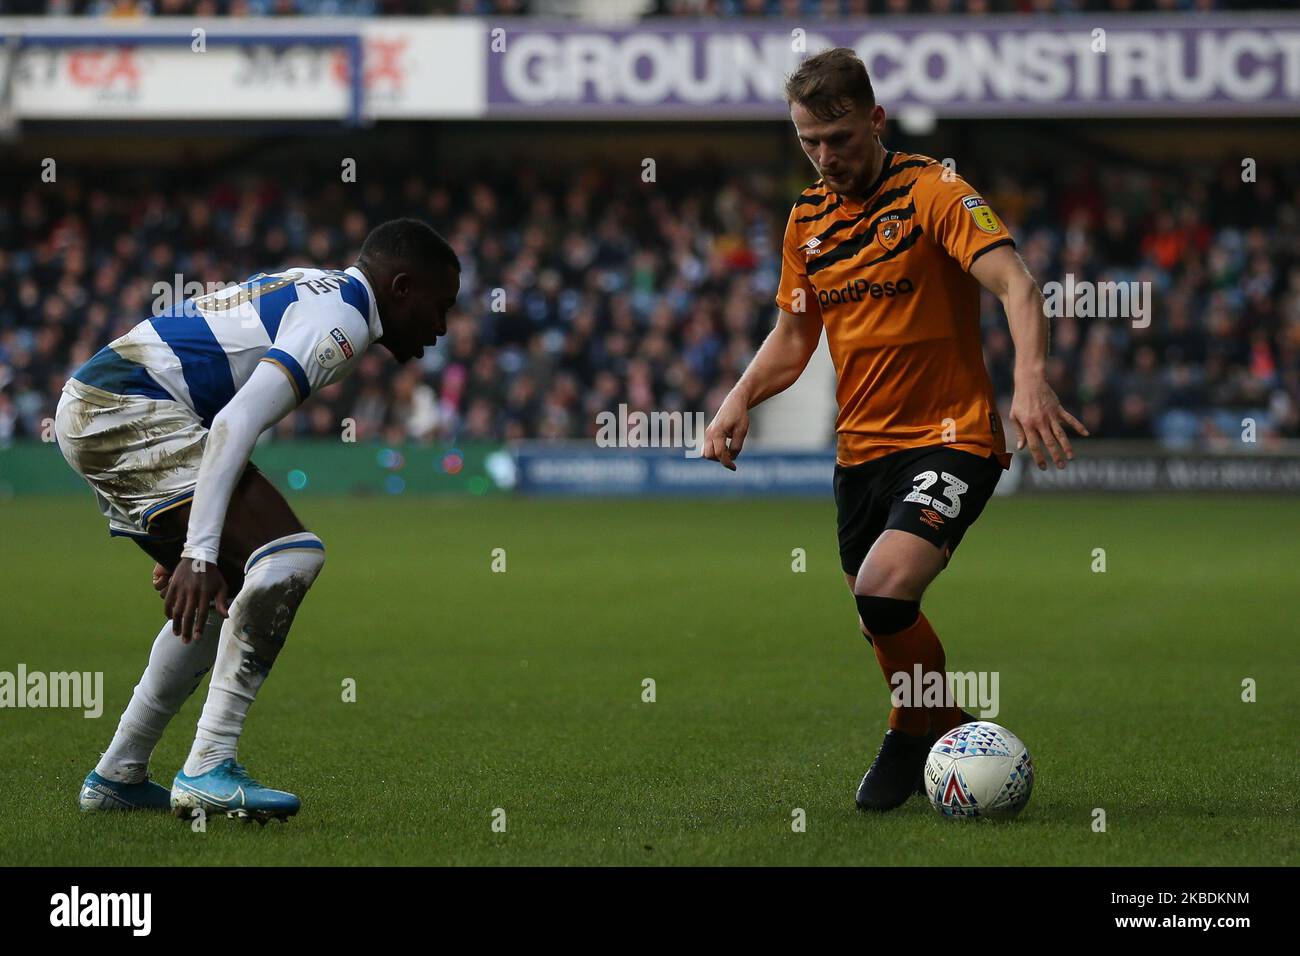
x: 99, y: 793
x: 227, y: 788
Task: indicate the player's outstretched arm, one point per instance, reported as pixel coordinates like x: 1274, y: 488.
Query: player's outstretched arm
x: 780, y: 360
x: 1036, y: 412
x: 263, y: 400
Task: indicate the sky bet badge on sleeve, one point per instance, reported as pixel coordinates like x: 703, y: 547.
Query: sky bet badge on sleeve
x: 334, y: 349
x: 981, y: 213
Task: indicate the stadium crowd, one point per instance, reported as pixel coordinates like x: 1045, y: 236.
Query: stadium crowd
x: 584, y: 288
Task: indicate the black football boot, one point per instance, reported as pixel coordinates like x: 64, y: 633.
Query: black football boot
x: 893, y: 774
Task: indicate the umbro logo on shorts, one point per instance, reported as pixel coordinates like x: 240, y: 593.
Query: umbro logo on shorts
x: 932, y: 518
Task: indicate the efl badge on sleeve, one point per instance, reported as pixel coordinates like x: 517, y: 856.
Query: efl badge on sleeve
x: 981, y: 213
x: 333, y: 350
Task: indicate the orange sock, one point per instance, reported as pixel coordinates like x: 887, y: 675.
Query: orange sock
x: 902, y: 651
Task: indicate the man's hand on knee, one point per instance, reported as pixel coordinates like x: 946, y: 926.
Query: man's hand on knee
x: 194, y: 586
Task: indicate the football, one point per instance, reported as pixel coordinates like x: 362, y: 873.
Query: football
x: 979, y: 769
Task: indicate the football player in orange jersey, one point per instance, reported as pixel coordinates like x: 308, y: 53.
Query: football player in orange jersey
x: 887, y: 252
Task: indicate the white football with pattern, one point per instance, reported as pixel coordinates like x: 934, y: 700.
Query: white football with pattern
x: 979, y: 769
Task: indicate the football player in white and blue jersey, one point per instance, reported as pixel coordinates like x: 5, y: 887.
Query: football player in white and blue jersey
x: 161, y: 423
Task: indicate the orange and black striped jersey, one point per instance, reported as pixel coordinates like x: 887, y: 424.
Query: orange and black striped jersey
x: 888, y: 276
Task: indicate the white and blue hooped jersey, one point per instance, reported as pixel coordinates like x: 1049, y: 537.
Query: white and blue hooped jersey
x: 312, y: 323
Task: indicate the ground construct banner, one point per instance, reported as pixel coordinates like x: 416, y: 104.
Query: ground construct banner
x: 1084, y: 65
x: 1021, y: 66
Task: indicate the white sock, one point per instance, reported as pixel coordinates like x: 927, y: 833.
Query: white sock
x: 173, y: 672
x: 276, y: 579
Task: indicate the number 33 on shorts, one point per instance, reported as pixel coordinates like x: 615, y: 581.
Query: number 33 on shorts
x: 952, y: 491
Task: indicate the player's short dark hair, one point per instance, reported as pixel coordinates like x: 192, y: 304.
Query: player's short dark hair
x: 410, y: 243
x: 825, y: 82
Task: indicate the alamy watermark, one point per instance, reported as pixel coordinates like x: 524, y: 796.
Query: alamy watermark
x: 79, y: 690
x: 624, y: 429
x: 974, y: 691
x: 184, y: 296
x: 1098, y: 300
x: 75, y: 908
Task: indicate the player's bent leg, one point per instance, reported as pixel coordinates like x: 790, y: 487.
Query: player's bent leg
x: 888, y: 590
x: 899, y: 565
x: 257, y: 514
x: 268, y: 560
x: 915, y: 540
x: 276, y: 579
x: 120, y: 781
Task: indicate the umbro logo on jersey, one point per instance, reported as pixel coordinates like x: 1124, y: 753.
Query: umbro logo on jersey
x: 810, y: 247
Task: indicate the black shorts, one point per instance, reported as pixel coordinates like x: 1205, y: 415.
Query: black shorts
x: 935, y: 492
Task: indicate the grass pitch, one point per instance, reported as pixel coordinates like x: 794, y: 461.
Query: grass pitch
x: 523, y: 690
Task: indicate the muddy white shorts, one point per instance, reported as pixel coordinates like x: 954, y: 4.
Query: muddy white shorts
x: 140, y: 455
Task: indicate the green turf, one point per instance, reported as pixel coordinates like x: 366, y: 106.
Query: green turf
x: 522, y: 690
